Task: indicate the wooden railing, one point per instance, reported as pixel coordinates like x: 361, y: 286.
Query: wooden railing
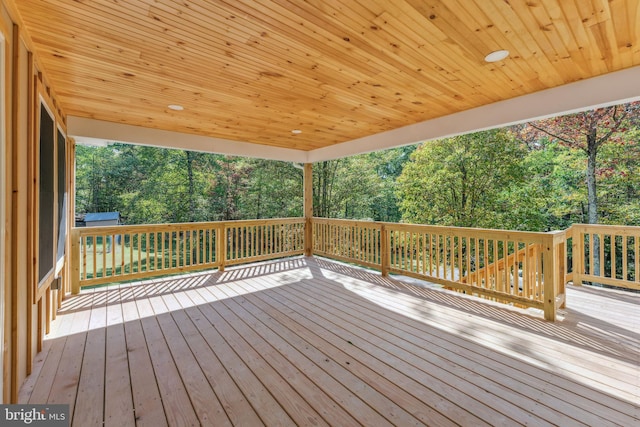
x: 251, y: 241
x: 522, y: 268
x: 607, y: 255
x: 508, y: 266
x: 119, y: 253
x: 352, y: 241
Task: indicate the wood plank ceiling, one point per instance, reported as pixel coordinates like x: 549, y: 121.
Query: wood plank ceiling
x: 254, y: 70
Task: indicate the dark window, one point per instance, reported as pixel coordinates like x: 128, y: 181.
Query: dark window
x: 46, y: 199
x: 62, y: 196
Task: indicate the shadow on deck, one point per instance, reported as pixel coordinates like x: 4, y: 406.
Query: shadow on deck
x: 311, y: 341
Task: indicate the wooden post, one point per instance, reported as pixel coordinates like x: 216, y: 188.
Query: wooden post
x: 577, y: 255
x: 308, y: 209
x: 47, y: 311
x: 561, y: 267
x: 549, y: 285
x: 75, y: 262
x: 71, y: 208
x: 384, y: 250
x: 221, y: 246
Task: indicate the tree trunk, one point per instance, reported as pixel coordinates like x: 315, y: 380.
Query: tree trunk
x: 592, y: 197
x: 94, y: 185
x: 192, y: 202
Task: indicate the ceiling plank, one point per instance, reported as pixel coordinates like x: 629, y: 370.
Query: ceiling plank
x: 253, y: 70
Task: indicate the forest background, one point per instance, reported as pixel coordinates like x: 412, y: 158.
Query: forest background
x: 541, y: 176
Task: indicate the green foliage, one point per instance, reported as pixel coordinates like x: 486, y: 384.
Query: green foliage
x: 589, y: 131
x: 619, y: 181
x: 389, y: 165
x: 463, y: 181
x: 344, y: 188
x: 153, y: 185
x: 274, y: 191
x: 489, y: 179
x: 359, y: 187
x: 552, y: 196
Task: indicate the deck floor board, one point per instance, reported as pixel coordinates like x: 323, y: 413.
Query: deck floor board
x: 330, y: 409
x: 307, y: 341
x: 147, y: 403
x: 421, y: 402
x: 492, y: 365
x: 483, y: 382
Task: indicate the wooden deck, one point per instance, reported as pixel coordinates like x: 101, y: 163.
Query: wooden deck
x: 311, y: 342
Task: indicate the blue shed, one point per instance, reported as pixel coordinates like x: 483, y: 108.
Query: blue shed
x: 98, y: 219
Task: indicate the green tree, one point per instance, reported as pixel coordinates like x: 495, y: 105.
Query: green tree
x: 388, y: 166
x: 619, y: 181
x: 587, y: 131
x: 551, y: 196
x: 462, y: 181
x: 96, y: 190
x: 360, y: 187
x: 345, y: 188
x: 155, y: 185
x: 274, y: 190
x: 228, y: 185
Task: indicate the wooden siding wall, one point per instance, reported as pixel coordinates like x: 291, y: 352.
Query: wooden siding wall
x: 4, y: 61
x: 27, y: 309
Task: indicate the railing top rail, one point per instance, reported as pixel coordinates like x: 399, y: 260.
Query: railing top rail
x: 355, y: 222
x: 485, y: 233
x: 615, y: 229
x: 179, y: 226
x: 441, y: 227
x: 470, y: 230
x: 294, y: 220
x: 436, y: 229
x: 560, y: 236
x: 119, y: 229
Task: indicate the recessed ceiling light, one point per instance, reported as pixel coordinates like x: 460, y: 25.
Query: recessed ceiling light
x: 296, y: 131
x: 175, y: 107
x: 496, y: 56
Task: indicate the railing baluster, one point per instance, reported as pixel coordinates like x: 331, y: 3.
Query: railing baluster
x: 625, y: 258
x: 612, y: 254
x: 636, y: 254
x: 84, y: 249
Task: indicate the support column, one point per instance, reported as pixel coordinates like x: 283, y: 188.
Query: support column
x: 577, y: 254
x: 221, y: 246
x: 308, y: 209
x: 384, y: 251
x: 71, y: 219
x: 75, y: 262
x: 550, y: 287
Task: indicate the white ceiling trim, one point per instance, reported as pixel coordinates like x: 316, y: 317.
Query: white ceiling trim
x: 613, y: 88
x: 99, y: 132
